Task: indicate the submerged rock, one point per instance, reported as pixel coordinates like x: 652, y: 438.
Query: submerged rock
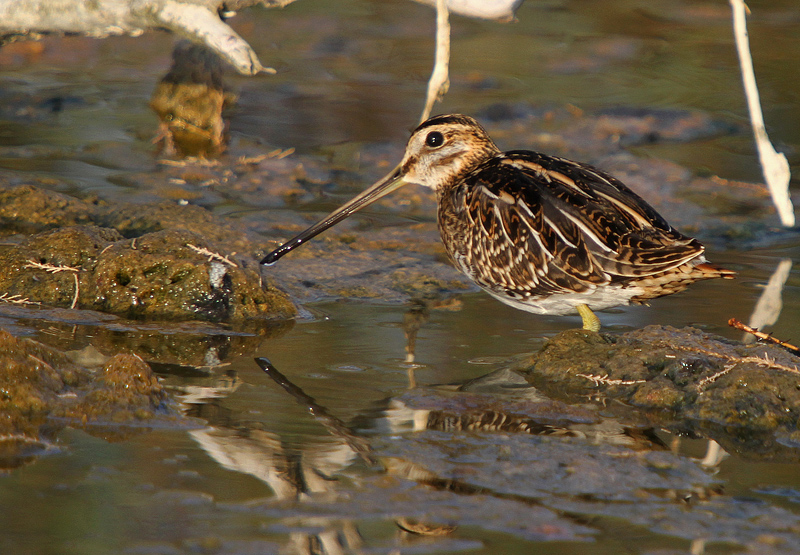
x: 42, y: 390
x: 685, y: 379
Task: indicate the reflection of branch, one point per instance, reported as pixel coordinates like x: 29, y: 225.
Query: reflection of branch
x: 769, y: 305
x: 773, y: 164
x: 733, y: 322
x: 333, y: 424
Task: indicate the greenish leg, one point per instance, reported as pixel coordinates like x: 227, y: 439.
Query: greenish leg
x: 590, y: 321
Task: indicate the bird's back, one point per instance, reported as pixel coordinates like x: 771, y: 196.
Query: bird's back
x: 527, y: 226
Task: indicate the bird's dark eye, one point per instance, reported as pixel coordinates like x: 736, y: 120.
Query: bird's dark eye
x: 434, y: 139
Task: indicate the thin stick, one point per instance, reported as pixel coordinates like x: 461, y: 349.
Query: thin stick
x: 773, y: 164
x: 77, y: 291
x: 439, y: 82
x: 734, y: 323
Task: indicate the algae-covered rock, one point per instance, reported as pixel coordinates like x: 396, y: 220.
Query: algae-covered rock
x: 170, y: 266
x: 127, y: 389
x: 41, y: 390
x: 175, y: 274
x: 684, y: 376
x: 28, y: 209
x: 54, y: 266
x: 164, y: 274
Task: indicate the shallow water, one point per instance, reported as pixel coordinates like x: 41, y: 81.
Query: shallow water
x: 258, y: 473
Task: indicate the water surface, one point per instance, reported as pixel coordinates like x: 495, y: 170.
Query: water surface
x: 258, y: 473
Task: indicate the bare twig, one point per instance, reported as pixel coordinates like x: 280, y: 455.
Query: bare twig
x: 212, y: 255
x: 440, y: 80
x: 734, y: 323
x: 17, y: 299
x: 773, y: 164
x: 605, y: 380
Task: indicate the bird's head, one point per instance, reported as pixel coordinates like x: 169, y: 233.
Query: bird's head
x: 443, y: 149
x: 440, y: 151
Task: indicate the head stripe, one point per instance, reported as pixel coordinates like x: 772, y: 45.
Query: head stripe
x: 447, y: 119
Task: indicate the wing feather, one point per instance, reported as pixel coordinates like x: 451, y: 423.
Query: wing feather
x: 525, y: 224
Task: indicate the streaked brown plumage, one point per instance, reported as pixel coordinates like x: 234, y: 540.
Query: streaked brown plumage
x: 540, y: 233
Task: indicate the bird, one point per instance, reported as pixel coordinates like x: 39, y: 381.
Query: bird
x: 540, y: 233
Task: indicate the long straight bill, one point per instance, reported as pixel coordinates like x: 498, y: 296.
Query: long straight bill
x: 370, y: 195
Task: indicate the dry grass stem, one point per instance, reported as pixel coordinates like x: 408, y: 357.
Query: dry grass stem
x: 77, y: 291
x: 765, y: 362
x: 17, y: 299
x: 605, y: 380
x: 212, y: 255
x: 56, y: 268
x: 714, y: 377
x: 51, y: 268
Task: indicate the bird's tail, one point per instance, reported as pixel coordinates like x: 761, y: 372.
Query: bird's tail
x: 712, y: 271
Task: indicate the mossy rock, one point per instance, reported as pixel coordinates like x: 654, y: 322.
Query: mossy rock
x: 28, y: 209
x: 680, y: 376
x: 42, y: 390
x: 164, y: 274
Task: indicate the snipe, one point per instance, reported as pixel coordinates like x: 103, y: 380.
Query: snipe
x: 539, y: 233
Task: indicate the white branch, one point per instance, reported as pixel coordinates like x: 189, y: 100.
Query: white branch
x: 200, y: 24
x: 773, y: 164
x: 440, y: 80
x: 500, y: 10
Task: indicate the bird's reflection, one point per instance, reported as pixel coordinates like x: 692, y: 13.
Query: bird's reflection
x: 311, y: 470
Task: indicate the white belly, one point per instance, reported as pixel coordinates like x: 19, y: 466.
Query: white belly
x: 558, y: 304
